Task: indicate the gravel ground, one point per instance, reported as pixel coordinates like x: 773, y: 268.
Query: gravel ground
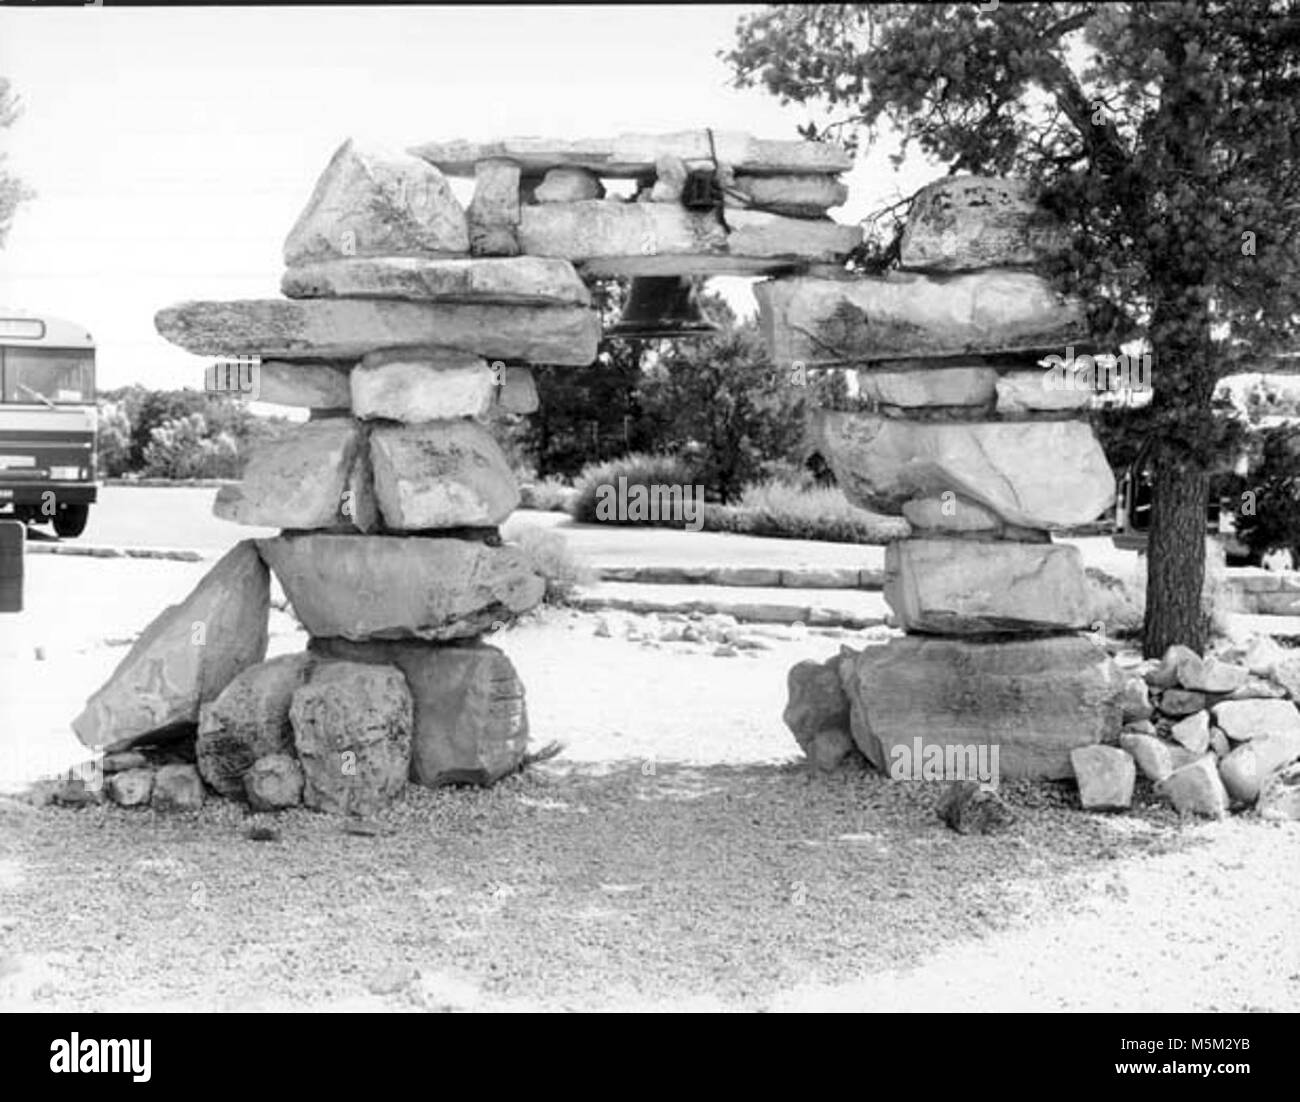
x: 675, y: 856
x: 728, y: 886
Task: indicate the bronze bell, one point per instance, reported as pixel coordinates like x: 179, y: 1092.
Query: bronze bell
x: 702, y: 190
x: 662, y: 308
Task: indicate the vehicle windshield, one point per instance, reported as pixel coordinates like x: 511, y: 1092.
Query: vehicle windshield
x: 48, y: 375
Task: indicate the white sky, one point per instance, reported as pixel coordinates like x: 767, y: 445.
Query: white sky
x: 173, y: 149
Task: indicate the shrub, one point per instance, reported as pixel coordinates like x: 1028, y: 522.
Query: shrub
x: 130, y: 419
x: 155, y: 409
x: 726, y: 518
x: 1268, y: 515
x: 113, y: 440
x: 552, y: 558
x: 820, y: 513
x: 182, y: 448
x: 550, y: 495
x: 800, y: 476
x: 639, y: 469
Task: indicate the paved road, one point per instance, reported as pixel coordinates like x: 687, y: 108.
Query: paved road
x: 149, y: 516
x: 182, y: 517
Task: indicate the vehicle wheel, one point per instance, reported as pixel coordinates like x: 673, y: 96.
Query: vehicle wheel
x: 70, y: 520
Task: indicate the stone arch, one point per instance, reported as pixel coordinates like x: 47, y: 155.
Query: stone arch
x: 405, y: 325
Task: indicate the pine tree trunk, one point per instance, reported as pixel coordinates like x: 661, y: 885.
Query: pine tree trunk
x: 1175, y: 558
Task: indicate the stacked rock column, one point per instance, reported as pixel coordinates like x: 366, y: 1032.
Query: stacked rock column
x: 983, y: 451
x: 395, y: 562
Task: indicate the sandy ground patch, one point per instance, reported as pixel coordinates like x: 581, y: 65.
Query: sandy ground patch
x: 676, y: 855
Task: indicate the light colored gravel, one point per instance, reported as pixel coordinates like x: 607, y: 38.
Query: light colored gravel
x: 676, y: 855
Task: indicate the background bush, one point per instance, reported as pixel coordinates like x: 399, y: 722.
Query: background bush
x: 1267, y: 511
x: 552, y: 558
x: 550, y: 494
x: 184, y: 448
x: 179, y: 433
x: 639, y: 470
x: 790, y: 506
x: 784, y: 511
x: 718, y: 402
x: 777, y: 508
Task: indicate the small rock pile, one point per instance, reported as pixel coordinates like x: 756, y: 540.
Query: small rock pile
x: 718, y: 634
x: 982, y: 450
x: 1210, y: 733
x: 408, y: 324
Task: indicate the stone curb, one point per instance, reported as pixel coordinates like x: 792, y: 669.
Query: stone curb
x: 87, y: 550
x: 178, y: 483
x: 744, y: 612
x: 741, y: 576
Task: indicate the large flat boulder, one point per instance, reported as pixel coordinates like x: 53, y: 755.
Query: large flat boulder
x: 342, y: 328
x: 417, y: 385
x: 507, y: 281
x: 444, y: 474
x: 609, y: 237
x: 767, y: 236
x: 956, y: 587
x: 805, y: 195
x: 1040, y: 474
x: 471, y: 726
x: 372, y: 202
x: 380, y: 587
x: 296, y: 481
x: 966, y: 222
x: 634, y: 156
x: 352, y: 733
x: 592, y: 228
x: 951, y: 386
x: 186, y: 656
x: 1034, y: 699
x: 1035, y: 392
x: 951, y: 515
x: 905, y: 315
